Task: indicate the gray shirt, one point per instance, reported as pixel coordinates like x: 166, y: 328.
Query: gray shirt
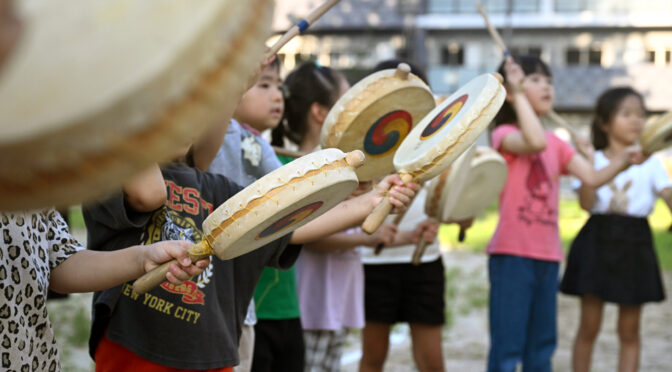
x: 244, y: 157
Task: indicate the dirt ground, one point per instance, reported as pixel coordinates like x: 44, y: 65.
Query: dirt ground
x: 465, y: 340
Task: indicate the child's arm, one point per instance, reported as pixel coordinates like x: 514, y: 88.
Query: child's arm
x: 591, y: 178
x: 88, y: 271
x: 146, y: 191
x: 343, y: 241
x: 531, y: 138
x: 205, y: 150
x: 353, y: 211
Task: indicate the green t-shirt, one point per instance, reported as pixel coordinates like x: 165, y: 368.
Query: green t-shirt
x: 275, y: 296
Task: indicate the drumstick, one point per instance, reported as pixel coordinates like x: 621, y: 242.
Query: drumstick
x: 493, y: 31
x: 557, y: 119
x: 290, y: 153
x: 300, y: 27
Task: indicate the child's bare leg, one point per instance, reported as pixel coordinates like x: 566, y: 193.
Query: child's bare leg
x: 427, y: 347
x: 375, y: 343
x: 589, y: 328
x: 628, y: 334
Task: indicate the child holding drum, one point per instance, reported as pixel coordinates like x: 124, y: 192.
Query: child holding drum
x: 612, y: 259
x: 197, y: 325
x: 525, y: 249
x: 329, y: 272
x: 39, y: 254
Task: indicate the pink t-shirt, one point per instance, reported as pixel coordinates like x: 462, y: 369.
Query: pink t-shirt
x: 528, y: 205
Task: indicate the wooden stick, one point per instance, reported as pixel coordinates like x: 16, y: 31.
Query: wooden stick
x: 290, y: 153
x: 300, y: 27
x: 557, y: 119
x: 493, y: 31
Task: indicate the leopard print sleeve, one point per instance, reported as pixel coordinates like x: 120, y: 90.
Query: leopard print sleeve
x: 61, y: 243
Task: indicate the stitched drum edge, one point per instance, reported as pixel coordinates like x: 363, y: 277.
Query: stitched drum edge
x: 41, y: 190
x: 425, y: 169
x: 652, y: 130
x: 256, y: 202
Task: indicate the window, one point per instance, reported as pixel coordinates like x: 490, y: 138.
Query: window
x: 517, y: 51
x: 651, y: 56
x: 452, y: 55
x: 595, y: 57
x: 573, y: 56
x: 576, y: 56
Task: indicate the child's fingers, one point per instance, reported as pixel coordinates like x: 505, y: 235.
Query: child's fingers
x: 177, y: 273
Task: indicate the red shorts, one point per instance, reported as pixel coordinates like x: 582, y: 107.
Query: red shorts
x: 112, y: 357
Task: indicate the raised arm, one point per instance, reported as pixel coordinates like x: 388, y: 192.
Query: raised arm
x: 532, y: 137
x: 146, y: 191
x: 88, y: 271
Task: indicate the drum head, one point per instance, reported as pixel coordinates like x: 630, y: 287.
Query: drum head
x: 280, y: 202
x: 96, y: 90
x: 657, y: 134
x: 483, y: 184
x: 444, y: 188
x: 375, y: 116
x: 450, y: 128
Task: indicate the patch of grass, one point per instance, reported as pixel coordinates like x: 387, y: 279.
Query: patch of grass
x: 80, y: 326
x: 571, y: 219
x: 76, y: 218
x: 452, y: 275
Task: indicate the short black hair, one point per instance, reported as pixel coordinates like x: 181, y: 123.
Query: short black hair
x: 530, y: 65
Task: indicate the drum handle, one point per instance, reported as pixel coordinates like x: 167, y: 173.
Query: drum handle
x: 157, y: 275
x: 382, y: 210
x: 419, y: 251
x: 300, y: 27
x: 461, y: 235
x: 397, y: 221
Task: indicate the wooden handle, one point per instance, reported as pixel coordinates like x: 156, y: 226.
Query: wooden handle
x: 290, y: 153
x: 461, y: 235
x: 157, y: 275
x: 153, y: 278
x: 376, y: 218
x: 382, y: 210
x: 419, y: 251
x: 300, y: 27
x: 493, y: 31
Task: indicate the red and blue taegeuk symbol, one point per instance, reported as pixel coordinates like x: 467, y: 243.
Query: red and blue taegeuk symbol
x: 290, y: 219
x: 444, y: 117
x: 385, y: 135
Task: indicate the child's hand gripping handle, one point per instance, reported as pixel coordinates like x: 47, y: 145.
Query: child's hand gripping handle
x: 382, y: 210
x: 157, y: 275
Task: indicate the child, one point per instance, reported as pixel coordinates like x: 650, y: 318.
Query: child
x: 398, y: 291
x: 525, y: 249
x: 39, y: 254
x: 612, y: 258
x: 245, y: 157
x: 197, y: 325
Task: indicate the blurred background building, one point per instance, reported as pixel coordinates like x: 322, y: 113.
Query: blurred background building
x: 589, y: 44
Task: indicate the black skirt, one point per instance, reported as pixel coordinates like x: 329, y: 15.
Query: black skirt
x: 613, y: 259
